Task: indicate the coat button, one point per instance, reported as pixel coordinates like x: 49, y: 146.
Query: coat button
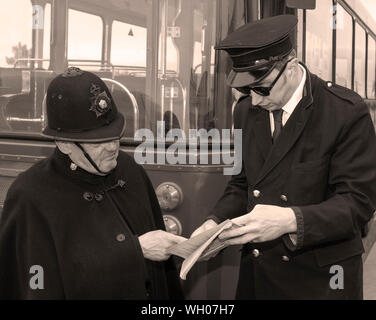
x: 121, y: 183
x: 329, y: 84
x: 148, y: 288
x: 285, y: 258
x: 98, y: 197
x: 255, y: 253
x: 88, y: 196
x: 283, y: 198
x: 120, y: 237
x: 256, y: 193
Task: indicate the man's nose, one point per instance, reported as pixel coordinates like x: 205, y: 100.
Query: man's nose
x: 256, y: 98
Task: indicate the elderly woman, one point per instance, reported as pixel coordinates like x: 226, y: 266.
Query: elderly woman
x: 85, y: 222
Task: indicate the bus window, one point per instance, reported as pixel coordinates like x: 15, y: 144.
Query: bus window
x: 84, y: 43
x: 46, y: 38
x: 319, y: 39
x: 360, y: 60
x: 128, y: 62
x: 202, y: 67
x: 15, y: 40
x: 168, y: 63
x: 128, y: 45
x: 187, y: 98
x: 371, y: 68
x: 343, y: 48
x: 24, y: 58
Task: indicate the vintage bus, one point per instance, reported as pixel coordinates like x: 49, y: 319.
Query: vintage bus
x: 158, y: 58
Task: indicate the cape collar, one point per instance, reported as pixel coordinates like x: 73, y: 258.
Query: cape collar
x: 62, y: 164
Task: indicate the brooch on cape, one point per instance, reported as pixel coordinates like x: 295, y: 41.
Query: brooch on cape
x: 100, y: 101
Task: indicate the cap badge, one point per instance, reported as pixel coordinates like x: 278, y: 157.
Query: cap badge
x: 72, y: 72
x: 100, y: 102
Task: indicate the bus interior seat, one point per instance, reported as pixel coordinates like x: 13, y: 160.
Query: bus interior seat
x: 10, y: 81
x: 171, y: 121
x: 124, y: 105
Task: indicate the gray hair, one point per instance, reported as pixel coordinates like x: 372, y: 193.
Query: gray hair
x: 291, y: 55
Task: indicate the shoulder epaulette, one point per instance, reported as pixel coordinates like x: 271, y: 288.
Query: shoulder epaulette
x: 342, y: 92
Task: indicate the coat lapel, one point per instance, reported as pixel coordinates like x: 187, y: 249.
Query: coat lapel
x: 290, y: 132
x: 261, y: 131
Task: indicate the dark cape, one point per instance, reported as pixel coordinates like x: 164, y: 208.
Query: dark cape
x: 82, y: 229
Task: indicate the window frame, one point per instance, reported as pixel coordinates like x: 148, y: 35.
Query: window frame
x: 101, y: 43
x: 356, y: 24
x: 370, y: 38
x: 304, y: 52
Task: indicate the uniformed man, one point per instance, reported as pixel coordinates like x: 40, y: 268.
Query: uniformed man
x: 308, y: 181
x: 85, y: 222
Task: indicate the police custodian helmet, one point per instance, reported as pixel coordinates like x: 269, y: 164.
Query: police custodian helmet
x: 257, y: 47
x: 80, y: 108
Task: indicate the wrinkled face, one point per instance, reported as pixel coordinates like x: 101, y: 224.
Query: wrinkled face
x: 104, y: 154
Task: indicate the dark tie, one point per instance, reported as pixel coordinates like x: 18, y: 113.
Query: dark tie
x: 277, y: 115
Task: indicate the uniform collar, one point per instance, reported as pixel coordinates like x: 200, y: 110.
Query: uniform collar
x: 289, y: 107
x: 62, y: 164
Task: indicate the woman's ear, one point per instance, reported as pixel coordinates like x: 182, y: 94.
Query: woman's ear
x: 64, y: 146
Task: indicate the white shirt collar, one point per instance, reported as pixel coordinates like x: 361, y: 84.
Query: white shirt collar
x: 289, y: 107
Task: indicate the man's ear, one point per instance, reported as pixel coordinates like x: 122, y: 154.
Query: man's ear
x: 291, y: 67
x: 293, y: 63
x: 64, y: 146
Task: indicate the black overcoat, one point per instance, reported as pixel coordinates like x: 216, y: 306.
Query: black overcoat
x: 82, y: 229
x: 324, y: 166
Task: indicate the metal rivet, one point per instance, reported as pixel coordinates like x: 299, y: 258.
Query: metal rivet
x: 285, y: 258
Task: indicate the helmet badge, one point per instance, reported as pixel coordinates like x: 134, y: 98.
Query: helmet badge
x: 100, y: 102
x: 72, y: 72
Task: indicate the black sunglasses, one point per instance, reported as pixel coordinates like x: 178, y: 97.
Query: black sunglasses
x: 264, y: 91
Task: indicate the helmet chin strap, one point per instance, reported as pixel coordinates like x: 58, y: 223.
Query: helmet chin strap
x: 89, y: 158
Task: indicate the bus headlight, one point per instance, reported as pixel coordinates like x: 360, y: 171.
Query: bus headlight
x: 169, y: 195
x: 172, y: 224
